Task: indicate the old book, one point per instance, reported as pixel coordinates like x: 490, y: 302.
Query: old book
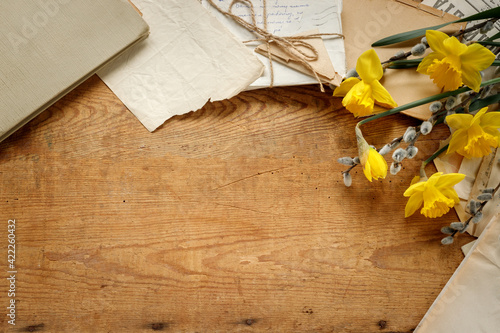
x: 48, y: 47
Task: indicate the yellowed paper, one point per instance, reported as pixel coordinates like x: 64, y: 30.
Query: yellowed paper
x: 190, y: 58
x: 470, y: 301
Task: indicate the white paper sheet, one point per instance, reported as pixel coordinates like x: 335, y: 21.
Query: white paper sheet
x: 188, y: 59
x: 287, y: 18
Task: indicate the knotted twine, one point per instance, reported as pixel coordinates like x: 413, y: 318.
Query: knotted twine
x: 290, y: 44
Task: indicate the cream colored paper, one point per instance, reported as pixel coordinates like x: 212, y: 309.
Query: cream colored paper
x: 470, y: 301
x: 50, y: 47
x: 190, y: 58
x: 287, y: 18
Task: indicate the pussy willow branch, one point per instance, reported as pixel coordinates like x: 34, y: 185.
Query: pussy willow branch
x: 480, y: 209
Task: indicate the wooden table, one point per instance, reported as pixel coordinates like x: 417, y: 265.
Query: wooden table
x: 233, y: 218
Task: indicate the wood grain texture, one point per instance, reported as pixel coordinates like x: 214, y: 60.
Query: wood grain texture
x: 233, y: 218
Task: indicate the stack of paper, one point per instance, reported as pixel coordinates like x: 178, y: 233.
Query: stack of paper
x: 288, y: 18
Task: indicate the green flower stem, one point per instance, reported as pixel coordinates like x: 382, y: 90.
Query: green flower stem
x: 425, y: 101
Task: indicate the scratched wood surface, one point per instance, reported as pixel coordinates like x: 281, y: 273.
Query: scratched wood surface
x: 230, y: 219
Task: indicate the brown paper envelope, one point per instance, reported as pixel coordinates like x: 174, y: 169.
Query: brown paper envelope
x: 323, y: 65
x: 367, y: 21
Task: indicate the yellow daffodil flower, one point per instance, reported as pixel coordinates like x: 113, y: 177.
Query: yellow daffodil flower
x: 436, y: 194
x: 360, y: 96
x: 474, y: 136
x: 374, y: 164
x: 453, y: 63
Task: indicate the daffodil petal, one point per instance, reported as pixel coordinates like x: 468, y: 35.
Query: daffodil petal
x: 414, y: 203
x: 457, y: 141
x: 427, y: 61
x: 450, y: 193
x: 478, y: 116
x: 367, y: 172
x: 381, y: 95
x: 369, y: 67
x: 449, y: 180
x: 471, y: 78
x: 417, y: 187
x: 491, y: 119
x: 453, y: 46
x: 477, y: 57
x: 435, y: 40
x: 345, y: 86
x: 459, y: 121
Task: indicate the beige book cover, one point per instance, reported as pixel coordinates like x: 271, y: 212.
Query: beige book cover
x: 48, y: 47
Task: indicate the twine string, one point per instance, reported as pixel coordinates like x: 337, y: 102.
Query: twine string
x: 290, y: 44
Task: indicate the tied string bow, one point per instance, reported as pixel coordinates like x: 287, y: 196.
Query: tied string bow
x: 290, y: 45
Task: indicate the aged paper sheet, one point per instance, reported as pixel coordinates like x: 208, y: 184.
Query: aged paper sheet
x: 190, y: 58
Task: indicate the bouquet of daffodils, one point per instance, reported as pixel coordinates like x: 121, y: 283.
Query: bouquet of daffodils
x: 463, y: 105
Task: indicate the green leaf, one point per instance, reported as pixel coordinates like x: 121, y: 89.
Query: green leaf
x: 401, y: 37
x: 495, y: 36
x: 408, y: 63
x: 495, y: 63
x: 407, y: 35
x: 487, y: 14
x: 481, y: 103
x: 489, y: 43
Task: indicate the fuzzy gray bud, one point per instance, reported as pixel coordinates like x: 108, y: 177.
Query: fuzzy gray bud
x: 477, y: 217
x: 346, y: 161
x: 487, y: 27
x: 411, y: 152
x: 457, y: 225
x: 395, y: 168
x: 418, y: 50
x: 347, y: 179
x: 485, y: 197
x: 488, y: 190
x: 447, y: 240
x: 385, y: 149
x: 447, y: 230
x: 435, y: 107
x: 399, y: 155
x: 410, y: 134
x: 426, y: 127
x: 351, y: 73
x: 399, y: 54
x: 424, y: 41
x: 450, y: 102
x: 356, y: 160
x: 473, y: 206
